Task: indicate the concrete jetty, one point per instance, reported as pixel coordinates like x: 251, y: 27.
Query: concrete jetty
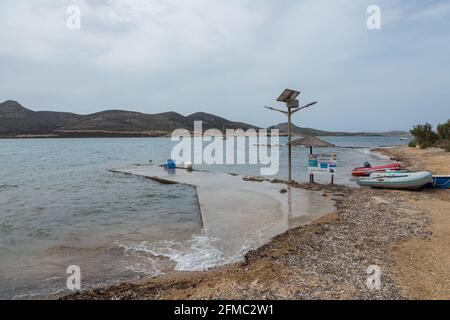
x: 241, y: 214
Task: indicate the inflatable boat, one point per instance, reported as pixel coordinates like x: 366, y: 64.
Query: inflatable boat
x: 366, y: 171
x: 440, y: 182
x: 397, y: 180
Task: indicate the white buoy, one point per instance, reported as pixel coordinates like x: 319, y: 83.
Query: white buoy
x: 188, y: 165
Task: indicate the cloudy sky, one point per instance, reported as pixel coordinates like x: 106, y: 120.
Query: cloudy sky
x: 232, y: 57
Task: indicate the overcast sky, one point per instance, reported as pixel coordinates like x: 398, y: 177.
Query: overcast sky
x: 232, y: 57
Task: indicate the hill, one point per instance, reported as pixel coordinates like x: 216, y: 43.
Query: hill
x: 18, y: 121
x: 314, y: 132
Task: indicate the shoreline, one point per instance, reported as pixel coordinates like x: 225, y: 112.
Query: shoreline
x: 328, y: 259
x: 68, y: 134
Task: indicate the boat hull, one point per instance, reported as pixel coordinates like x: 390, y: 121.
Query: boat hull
x: 440, y: 182
x: 409, y: 181
x: 365, y: 172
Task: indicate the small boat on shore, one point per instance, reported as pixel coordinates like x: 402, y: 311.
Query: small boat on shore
x: 440, y: 182
x: 367, y: 170
x: 397, y: 180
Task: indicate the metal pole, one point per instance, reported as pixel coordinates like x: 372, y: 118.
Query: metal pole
x: 289, y: 142
x: 288, y: 97
x: 311, y: 176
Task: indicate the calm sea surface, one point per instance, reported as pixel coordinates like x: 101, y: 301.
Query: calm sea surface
x: 60, y: 206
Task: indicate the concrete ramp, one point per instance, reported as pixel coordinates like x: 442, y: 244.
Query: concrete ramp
x: 242, y: 214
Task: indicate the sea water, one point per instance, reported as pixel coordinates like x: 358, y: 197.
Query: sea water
x: 60, y: 206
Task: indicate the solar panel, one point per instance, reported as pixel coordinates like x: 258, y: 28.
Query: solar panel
x: 288, y: 95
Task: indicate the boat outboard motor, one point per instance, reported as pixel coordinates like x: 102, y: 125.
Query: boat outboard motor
x: 367, y: 165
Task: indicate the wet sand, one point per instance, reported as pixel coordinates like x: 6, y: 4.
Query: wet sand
x: 405, y: 233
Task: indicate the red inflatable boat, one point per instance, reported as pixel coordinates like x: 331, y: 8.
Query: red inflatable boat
x: 366, y: 171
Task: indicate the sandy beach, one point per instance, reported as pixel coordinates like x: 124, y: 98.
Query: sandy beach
x: 405, y: 233
x: 422, y: 265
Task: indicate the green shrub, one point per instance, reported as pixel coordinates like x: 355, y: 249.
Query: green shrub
x: 443, y: 143
x: 443, y: 130
x: 412, y: 144
x: 424, y: 135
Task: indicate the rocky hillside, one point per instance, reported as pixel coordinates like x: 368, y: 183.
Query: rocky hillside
x: 17, y: 120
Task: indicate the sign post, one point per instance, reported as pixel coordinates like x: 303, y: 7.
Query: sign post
x: 322, y: 163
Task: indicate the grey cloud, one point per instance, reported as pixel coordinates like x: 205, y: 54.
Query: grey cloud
x: 231, y: 58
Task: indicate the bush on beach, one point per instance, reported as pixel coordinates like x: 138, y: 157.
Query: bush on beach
x: 444, y: 144
x: 425, y: 137
x: 443, y: 130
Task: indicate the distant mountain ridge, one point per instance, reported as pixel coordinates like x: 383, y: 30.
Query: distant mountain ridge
x: 18, y: 121
x: 283, y: 128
